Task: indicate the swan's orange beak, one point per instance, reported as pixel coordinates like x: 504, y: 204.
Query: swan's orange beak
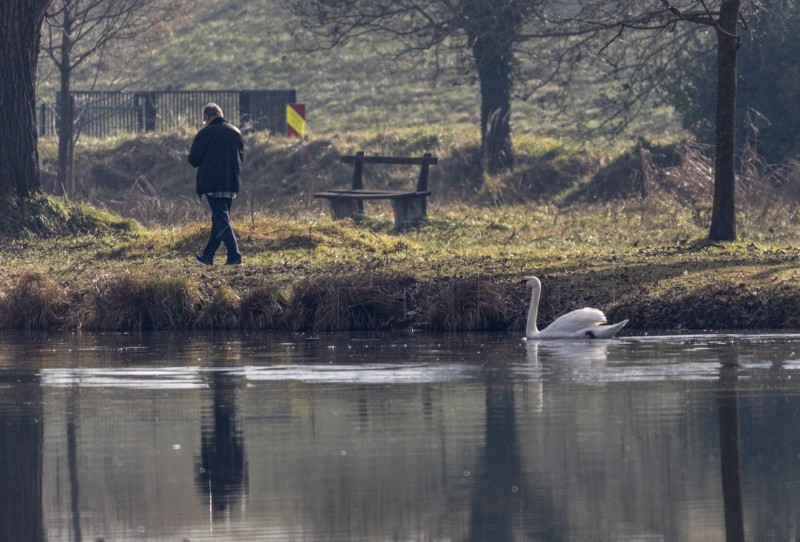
x: 522, y: 284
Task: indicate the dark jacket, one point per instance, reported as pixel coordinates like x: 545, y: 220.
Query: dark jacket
x: 217, y: 153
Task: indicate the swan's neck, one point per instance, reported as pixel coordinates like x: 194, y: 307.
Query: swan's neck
x: 533, y: 311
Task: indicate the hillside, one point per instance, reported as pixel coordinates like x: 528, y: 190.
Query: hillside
x: 243, y: 44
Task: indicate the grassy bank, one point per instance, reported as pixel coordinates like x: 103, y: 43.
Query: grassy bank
x: 638, y: 260
x: 621, y: 230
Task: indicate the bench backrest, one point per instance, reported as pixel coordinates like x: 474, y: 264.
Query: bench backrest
x: 359, y: 159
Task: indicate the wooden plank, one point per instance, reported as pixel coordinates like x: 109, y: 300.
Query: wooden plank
x: 358, y: 172
x: 369, y: 195
x: 398, y: 160
x: 362, y: 191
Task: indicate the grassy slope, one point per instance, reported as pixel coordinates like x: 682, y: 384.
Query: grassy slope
x: 244, y: 44
x: 637, y: 257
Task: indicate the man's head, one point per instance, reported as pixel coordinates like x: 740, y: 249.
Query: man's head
x: 210, y: 112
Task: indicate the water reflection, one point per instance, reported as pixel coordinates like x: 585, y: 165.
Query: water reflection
x: 338, y: 437
x: 728, y: 414
x: 222, y: 469
x: 72, y: 462
x: 21, y: 444
x: 501, y: 505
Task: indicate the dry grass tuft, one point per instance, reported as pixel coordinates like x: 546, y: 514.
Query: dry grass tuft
x: 222, y: 312
x: 683, y: 171
x: 263, y: 308
x: 153, y: 210
x: 133, y: 302
x: 467, y: 305
x: 351, y: 303
x: 35, y: 302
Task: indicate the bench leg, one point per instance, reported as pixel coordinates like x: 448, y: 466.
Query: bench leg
x: 408, y: 212
x: 346, y: 207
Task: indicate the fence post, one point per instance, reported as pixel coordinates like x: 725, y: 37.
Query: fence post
x: 245, y: 111
x: 58, y: 112
x: 42, y: 119
x: 146, y: 104
x: 137, y: 103
x: 150, y: 110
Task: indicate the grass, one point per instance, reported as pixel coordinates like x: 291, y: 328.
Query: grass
x: 621, y: 231
x: 457, y: 272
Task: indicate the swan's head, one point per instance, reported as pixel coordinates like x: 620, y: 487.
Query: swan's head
x: 529, y: 282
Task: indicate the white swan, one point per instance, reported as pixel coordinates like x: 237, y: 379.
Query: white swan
x: 580, y: 324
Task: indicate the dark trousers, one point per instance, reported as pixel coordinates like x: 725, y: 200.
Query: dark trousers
x: 221, y: 230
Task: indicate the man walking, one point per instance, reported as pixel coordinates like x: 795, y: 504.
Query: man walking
x: 217, y: 153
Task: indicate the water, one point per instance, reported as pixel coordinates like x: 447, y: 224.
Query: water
x: 398, y: 437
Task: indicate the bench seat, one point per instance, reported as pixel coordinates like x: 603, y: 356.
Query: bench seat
x: 409, y: 206
x: 368, y: 194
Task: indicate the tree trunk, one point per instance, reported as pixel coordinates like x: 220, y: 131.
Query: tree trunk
x: 723, y: 214
x: 494, y: 62
x: 20, y: 26
x: 492, y: 32
x: 66, y: 112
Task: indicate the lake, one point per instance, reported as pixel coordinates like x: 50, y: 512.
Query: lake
x: 398, y: 437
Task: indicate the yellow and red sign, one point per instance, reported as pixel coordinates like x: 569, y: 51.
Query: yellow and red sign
x: 296, y: 120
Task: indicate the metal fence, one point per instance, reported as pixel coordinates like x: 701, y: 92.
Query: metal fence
x: 102, y: 114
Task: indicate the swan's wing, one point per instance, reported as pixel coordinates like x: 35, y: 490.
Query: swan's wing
x: 576, y: 321
x: 605, y: 332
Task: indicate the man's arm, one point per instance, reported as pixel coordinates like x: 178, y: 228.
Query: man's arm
x: 198, y: 149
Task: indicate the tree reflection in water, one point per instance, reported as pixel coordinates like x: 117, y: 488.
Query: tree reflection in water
x: 21, y: 442
x: 728, y: 412
x: 499, y: 507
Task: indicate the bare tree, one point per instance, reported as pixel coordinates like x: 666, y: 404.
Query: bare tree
x: 660, y: 18
x: 79, y: 30
x: 482, y: 35
x: 20, y: 24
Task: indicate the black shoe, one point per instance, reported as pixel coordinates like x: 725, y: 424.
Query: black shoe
x: 237, y: 261
x: 203, y: 261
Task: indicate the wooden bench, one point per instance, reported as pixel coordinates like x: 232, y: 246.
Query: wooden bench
x: 409, y: 207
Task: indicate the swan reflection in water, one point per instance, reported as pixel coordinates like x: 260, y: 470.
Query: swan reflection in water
x: 578, y: 360
x: 566, y: 360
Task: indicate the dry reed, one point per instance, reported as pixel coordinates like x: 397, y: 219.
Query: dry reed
x: 134, y: 302
x: 36, y: 302
x: 350, y: 303
x: 263, y: 308
x: 467, y: 305
x: 222, y: 312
